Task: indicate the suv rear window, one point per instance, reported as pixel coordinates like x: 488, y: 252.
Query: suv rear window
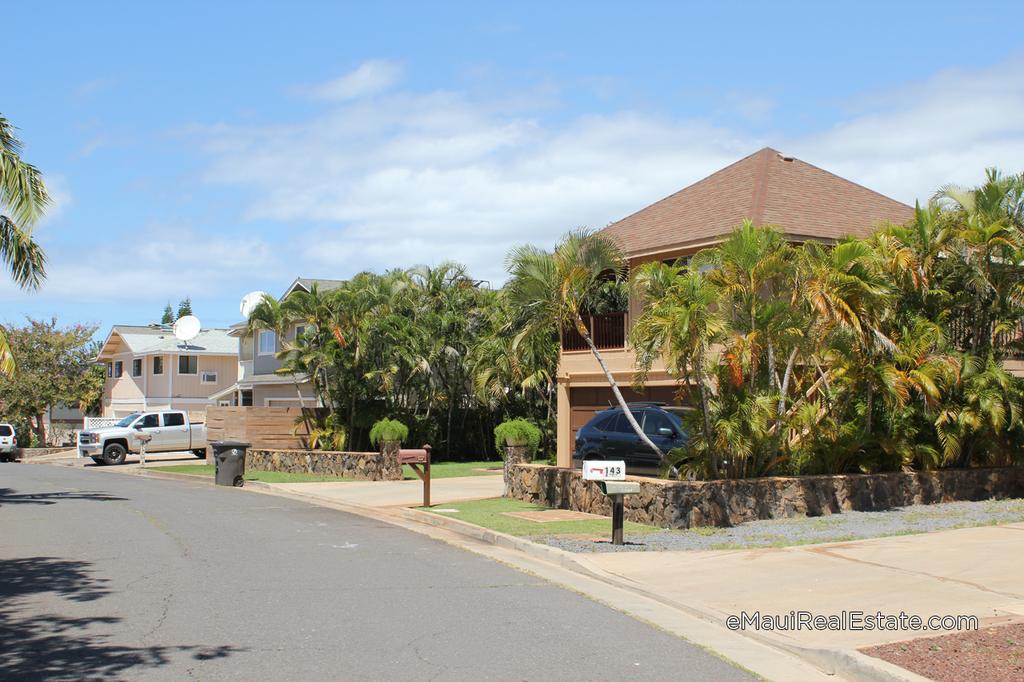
x: 606, y: 424
x: 622, y: 424
x: 6, y: 430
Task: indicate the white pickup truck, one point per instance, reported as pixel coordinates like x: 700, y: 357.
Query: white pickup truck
x: 169, y: 431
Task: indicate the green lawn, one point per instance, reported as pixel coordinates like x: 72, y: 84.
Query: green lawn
x: 265, y: 476
x: 438, y: 470
x: 490, y: 514
x: 453, y: 469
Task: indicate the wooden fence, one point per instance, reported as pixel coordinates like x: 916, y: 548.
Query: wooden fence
x: 264, y: 427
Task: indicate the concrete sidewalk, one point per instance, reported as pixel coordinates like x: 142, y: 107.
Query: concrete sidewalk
x: 401, y: 493
x: 969, y: 571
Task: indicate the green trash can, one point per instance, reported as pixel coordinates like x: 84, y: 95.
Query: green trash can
x: 229, y: 462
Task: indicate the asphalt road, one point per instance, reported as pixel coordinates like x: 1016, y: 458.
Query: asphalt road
x: 115, y: 576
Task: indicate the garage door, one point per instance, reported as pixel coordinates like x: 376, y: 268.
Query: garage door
x: 584, y: 403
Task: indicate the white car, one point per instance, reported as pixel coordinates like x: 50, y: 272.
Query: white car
x: 168, y: 431
x: 8, y: 441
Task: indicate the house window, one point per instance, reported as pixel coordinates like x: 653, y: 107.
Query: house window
x: 118, y: 369
x: 208, y: 377
x: 110, y: 369
x: 188, y: 364
x: 268, y: 342
x: 137, y: 367
x: 300, y: 330
x: 158, y: 365
x: 247, y: 398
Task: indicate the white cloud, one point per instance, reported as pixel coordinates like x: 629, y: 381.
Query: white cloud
x: 369, y: 78
x: 412, y: 177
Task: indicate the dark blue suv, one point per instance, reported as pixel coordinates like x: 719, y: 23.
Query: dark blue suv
x: 609, y: 435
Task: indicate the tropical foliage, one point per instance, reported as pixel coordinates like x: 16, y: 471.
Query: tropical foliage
x: 431, y: 347
x: 55, y: 367
x: 388, y: 431
x: 873, y: 354
x: 23, y: 199
x: 517, y: 431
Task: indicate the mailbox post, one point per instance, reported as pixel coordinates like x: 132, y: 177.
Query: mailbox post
x: 611, y: 476
x: 143, y: 439
x: 416, y: 458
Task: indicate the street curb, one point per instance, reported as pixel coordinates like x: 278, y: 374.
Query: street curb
x: 849, y: 664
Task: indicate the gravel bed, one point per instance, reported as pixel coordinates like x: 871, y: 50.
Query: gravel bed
x: 851, y: 525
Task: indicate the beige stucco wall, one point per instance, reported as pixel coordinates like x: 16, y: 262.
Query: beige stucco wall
x: 169, y: 390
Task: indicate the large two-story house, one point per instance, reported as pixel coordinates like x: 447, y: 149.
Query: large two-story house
x: 149, y: 369
x: 259, y: 382
x: 769, y: 188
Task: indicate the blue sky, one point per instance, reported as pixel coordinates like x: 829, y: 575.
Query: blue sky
x: 211, y: 149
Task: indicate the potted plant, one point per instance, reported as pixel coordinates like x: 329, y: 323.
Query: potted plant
x: 388, y: 432
x: 518, y: 440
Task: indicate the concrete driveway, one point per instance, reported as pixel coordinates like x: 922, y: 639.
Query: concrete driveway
x: 401, y: 493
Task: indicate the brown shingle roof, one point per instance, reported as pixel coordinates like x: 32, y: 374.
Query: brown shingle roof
x: 768, y: 188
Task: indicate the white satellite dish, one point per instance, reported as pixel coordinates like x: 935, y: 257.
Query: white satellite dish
x: 250, y: 301
x: 186, y: 328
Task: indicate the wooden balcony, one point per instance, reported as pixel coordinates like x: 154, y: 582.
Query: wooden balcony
x: 608, y: 332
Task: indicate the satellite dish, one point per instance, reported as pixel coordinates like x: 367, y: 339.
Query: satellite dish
x: 186, y: 328
x: 250, y: 301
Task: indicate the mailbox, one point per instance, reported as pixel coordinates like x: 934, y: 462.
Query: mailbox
x: 418, y: 460
x: 619, y: 487
x: 616, y: 491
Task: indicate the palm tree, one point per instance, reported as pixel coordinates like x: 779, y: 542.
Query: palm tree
x: 555, y: 289
x: 680, y: 322
x: 23, y: 199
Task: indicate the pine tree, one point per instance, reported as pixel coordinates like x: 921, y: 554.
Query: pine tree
x: 168, y: 317
x: 184, y: 308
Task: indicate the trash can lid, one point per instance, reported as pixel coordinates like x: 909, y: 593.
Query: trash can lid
x: 229, y: 444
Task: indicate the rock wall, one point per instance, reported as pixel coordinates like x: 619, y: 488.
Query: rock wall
x: 685, y: 504
x: 30, y: 453
x: 365, y: 466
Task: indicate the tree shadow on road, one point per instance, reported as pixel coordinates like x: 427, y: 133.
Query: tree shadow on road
x: 50, y: 646
x: 11, y: 496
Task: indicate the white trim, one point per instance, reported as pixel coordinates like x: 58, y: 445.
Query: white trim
x: 190, y: 401
x: 204, y: 372
x: 310, y: 399
x: 259, y: 338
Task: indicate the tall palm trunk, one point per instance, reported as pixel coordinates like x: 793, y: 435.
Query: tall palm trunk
x: 585, y: 333
x: 705, y: 409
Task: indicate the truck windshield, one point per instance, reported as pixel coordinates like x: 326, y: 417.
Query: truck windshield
x: 127, y: 421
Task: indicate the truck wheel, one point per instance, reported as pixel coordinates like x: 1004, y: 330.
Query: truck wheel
x: 201, y: 454
x: 114, y: 454
x: 99, y: 460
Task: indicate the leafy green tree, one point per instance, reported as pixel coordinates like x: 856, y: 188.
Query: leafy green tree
x: 23, y: 198
x: 556, y: 289
x: 168, y: 316
x: 55, y: 366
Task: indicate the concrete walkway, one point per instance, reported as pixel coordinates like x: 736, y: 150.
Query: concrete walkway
x: 969, y: 571
x: 401, y: 493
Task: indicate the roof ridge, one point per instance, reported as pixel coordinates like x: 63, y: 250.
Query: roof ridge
x: 706, y: 178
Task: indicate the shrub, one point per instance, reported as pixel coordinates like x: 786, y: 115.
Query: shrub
x: 388, y: 431
x: 517, y: 432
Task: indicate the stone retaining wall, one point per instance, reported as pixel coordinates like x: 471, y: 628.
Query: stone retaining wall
x: 684, y: 504
x: 365, y: 466
x: 29, y: 453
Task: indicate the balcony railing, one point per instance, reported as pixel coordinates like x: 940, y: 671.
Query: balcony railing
x: 607, y: 331
x: 1009, y: 343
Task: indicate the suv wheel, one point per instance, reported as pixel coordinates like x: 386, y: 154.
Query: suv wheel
x: 114, y: 454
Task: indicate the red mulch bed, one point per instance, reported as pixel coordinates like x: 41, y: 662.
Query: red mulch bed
x: 992, y: 654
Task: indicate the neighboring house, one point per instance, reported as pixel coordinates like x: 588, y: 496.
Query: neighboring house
x: 805, y: 202
x: 259, y: 383
x: 149, y: 369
